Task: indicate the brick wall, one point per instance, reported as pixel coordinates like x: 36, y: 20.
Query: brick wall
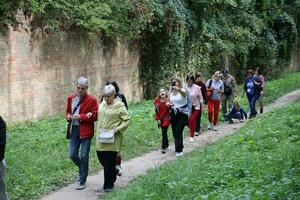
x: 37, y: 72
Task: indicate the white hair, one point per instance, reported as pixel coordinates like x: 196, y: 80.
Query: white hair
x: 83, y: 81
x: 109, y: 89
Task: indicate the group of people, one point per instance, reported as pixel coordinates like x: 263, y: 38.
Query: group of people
x: 179, y: 106
x: 182, y: 105
x: 112, y: 120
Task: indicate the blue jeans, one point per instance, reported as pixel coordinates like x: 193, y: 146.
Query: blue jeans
x: 252, y: 101
x: 82, y: 162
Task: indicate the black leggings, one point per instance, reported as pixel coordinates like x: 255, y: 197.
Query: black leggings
x: 164, y: 140
x: 198, y: 122
x: 178, y: 122
x: 108, y: 161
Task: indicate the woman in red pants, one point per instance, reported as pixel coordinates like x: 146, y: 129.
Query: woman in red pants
x: 215, y: 86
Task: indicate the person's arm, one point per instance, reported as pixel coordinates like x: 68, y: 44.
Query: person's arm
x: 234, y: 87
x: 2, y: 138
x: 200, y: 96
x: 243, y: 113
x: 204, y: 93
x: 93, y: 112
x: 125, y: 120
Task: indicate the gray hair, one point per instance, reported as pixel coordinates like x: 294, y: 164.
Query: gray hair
x: 83, y: 81
x: 109, y: 89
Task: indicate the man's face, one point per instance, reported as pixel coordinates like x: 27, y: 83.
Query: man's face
x: 81, y: 90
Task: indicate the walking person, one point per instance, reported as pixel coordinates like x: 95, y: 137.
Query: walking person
x: 119, y: 95
x: 197, y: 101
x: 252, y: 87
x: 216, y: 87
x: 179, y: 114
x: 113, y: 119
x: 3, y: 193
x: 163, y: 117
x: 230, y: 91
x: 261, y: 97
x: 199, y: 80
x: 81, y: 112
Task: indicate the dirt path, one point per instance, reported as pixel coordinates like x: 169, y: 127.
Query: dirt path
x: 140, y: 165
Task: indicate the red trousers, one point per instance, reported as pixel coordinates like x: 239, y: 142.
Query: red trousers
x: 213, y: 107
x: 192, y: 122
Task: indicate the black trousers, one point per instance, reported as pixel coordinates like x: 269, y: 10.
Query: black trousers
x: 178, y: 122
x: 108, y: 161
x: 198, y: 122
x: 164, y: 141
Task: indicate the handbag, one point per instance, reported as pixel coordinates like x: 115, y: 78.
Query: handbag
x: 106, y: 136
x: 209, y: 91
x: 69, y: 126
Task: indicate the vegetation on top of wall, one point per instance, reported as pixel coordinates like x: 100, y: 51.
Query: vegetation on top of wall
x: 179, y: 36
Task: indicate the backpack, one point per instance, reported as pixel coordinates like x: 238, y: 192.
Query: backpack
x: 227, y: 90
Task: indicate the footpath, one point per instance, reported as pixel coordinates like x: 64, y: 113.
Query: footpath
x: 140, y: 165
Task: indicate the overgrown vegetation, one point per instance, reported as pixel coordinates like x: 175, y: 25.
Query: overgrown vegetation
x: 37, y: 152
x: 179, y: 36
x: 261, y: 161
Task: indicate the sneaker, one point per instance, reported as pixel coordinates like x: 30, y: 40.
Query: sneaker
x: 108, y: 190
x: 119, y: 170
x: 215, y: 128
x: 179, y: 154
x: 210, y: 126
x: 197, y: 134
x: 80, y: 186
x: 192, y: 140
x: 163, y: 151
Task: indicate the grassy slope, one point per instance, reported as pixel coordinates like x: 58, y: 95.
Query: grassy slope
x: 37, y: 151
x: 262, y: 161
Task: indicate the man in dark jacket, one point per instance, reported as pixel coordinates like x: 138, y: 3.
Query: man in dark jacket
x: 3, y: 194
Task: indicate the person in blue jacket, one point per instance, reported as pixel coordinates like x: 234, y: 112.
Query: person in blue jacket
x: 252, y: 87
x: 236, y: 112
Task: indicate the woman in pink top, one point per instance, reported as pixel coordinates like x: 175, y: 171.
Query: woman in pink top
x: 196, y: 98
x: 261, y: 97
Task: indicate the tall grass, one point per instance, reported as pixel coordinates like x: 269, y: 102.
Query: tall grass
x: 37, y: 152
x: 261, y: 161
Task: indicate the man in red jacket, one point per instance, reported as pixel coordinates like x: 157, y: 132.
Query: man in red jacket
x: 81, y: 112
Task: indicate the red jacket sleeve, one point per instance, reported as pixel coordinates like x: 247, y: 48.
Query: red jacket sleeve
x: 93, y: 108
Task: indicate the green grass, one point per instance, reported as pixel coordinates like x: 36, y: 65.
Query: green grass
x: 261, y: 161
x: 37, y: 152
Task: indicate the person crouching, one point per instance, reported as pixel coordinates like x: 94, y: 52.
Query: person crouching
x: 236, y: 112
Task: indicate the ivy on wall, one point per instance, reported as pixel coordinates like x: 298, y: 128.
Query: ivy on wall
x: 179, y: 36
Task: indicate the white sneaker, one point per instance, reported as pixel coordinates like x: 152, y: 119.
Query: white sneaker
x: 179, y: 154
x: 197, y: 134
x: 215, y: 128
x: 192, y: 140
x: 80, y: 186
x: 210, y: 126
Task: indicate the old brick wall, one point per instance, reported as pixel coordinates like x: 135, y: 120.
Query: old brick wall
x: 37, y: 72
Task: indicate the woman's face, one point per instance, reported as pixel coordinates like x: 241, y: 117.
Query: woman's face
x: 189, y: 83
x: 109, y: 98
x: 217, y: 78
x: 162, y: 93
x: 176, y: 83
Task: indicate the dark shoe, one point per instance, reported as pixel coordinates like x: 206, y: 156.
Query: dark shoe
x: 261, y: 110
x: 230, y: 122
x: 163, y: 151
x: 108, y: 190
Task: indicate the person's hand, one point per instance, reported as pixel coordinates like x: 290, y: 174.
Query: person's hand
x: 115, y: 130
x: 159, y: 122
x: 175, y: 88
x: 88, y: 115
x: 262, y: 93
x: 76, y: 117
x: 168, y: 103
x: 69, y: 117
